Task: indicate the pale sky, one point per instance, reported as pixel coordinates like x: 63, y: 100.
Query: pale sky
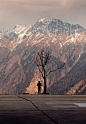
x: 13, y: 12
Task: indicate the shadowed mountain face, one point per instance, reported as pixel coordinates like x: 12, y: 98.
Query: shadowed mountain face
x: 18, y: 48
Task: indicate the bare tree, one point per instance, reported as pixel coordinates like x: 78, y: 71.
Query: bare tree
x: 46, y: 65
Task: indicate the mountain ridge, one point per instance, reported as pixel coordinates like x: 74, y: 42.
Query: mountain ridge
x: 18, y: 47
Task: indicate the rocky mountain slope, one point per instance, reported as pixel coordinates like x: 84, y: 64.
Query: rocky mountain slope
x: 18, y: 48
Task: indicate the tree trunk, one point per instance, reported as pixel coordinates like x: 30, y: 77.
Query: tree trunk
x: 44, y: 83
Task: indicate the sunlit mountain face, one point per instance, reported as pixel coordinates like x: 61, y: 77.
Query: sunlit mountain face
x: 19, y: 46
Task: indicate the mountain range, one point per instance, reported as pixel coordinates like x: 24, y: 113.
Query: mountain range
x: 19, y: 46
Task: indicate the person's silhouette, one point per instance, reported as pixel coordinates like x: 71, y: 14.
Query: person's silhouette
x: 39, y: 86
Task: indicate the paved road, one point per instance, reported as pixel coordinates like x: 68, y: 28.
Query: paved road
x: 42, y: 109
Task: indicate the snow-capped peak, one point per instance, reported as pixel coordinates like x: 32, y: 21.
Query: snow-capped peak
x: 19, y: 25
x: 42, y: 20
x: 17, y: 29
x: 20, y: 28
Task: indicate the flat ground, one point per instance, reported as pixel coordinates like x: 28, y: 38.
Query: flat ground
x: 42, y: 109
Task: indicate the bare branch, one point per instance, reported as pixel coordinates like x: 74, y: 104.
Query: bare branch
x: 51, y: 66
x: 37, y: 61
x: 47, y: 57
x: 55, y: 69
x: 41, y: 72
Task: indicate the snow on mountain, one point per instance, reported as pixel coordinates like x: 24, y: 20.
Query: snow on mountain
x: 45, y: 26
x: 42, y: 20
x: 18, y: 29
x: 18, y: 46
x: 38, y: 31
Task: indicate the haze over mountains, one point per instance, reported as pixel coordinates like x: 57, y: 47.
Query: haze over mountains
x: 18, y: 47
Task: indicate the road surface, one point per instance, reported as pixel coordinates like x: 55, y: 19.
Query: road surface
x: 42, y: 109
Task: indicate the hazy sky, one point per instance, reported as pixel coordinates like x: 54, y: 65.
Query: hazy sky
x: 27, y: 12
